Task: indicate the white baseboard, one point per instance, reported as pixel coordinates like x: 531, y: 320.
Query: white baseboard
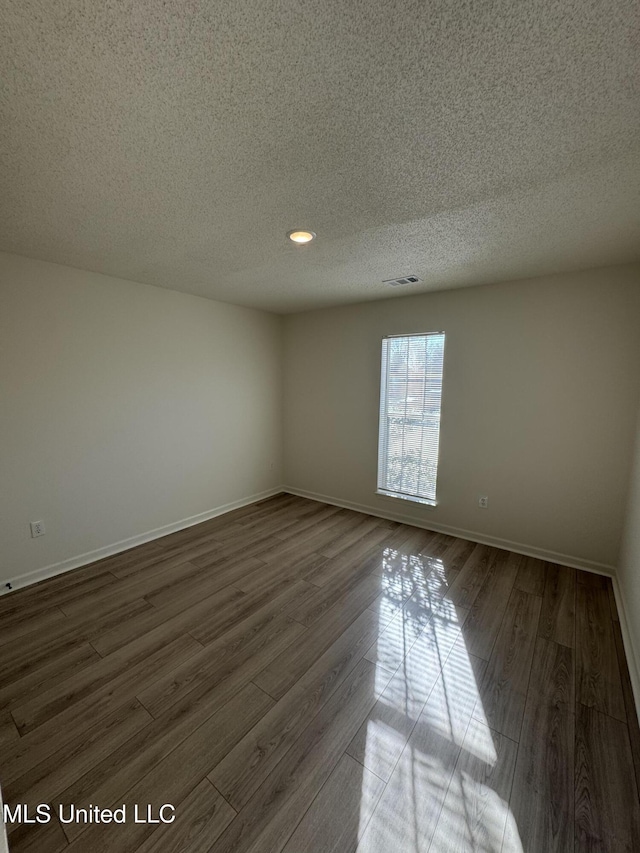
x: 629, y: 647
x: 109, y: 550
x: 471, y: 535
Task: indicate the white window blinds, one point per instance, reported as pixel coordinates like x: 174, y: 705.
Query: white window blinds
x: 410, y: 394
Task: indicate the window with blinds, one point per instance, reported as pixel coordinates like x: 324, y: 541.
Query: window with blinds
x: 410, y: 394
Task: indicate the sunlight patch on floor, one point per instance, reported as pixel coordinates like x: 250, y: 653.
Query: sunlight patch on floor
x: 448, y: 775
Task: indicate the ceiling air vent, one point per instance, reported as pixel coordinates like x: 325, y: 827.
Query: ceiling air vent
x: 397, y: 282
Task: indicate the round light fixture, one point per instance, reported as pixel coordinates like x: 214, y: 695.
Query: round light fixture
x: 301, y: 237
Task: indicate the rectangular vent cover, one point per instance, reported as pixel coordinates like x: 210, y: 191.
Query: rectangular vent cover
x: 397, y: 282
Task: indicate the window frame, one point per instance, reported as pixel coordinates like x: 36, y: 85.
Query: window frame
x: 383, y: 434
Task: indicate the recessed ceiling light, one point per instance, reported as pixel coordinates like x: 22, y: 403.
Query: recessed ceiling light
x: 298, y: 236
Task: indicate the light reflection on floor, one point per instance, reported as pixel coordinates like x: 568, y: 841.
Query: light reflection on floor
x: 448, y: 775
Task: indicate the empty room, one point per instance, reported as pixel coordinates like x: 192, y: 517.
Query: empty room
x: 319, y: 426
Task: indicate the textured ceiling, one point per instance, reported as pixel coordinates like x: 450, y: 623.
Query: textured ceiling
x: 176, y: 142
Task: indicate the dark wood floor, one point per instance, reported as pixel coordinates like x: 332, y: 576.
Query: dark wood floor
x: 297, y: 677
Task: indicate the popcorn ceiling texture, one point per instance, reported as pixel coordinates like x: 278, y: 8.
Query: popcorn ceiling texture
x: 175, y: 143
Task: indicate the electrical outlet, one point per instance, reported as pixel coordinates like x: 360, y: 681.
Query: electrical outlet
x: 37, y: 529
x: 483, y: 501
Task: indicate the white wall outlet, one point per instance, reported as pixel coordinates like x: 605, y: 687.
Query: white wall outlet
x: 483, y: 501
x: 37, y: 529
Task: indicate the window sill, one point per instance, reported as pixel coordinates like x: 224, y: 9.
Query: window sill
x: 410, y: 498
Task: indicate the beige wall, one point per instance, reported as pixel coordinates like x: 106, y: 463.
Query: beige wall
x: 629, y: 567
x: 540, y: 395
x: 125, y: 408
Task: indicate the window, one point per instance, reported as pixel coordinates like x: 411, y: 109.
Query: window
x: 410, y: 393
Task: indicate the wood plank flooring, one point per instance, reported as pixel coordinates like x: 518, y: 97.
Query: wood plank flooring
x: 294, y: 677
